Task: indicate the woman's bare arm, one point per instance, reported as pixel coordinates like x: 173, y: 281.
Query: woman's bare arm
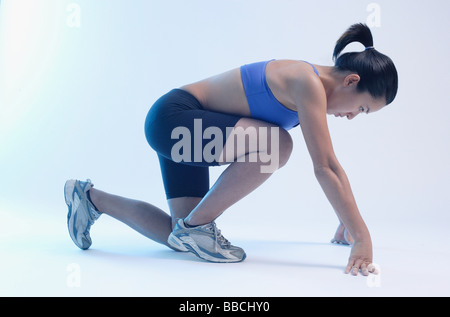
x: 311, y: 104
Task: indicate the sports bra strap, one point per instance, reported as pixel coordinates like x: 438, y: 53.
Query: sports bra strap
x: 315, y: 69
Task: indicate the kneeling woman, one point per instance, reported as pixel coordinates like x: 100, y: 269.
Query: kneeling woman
x: 262, y: 100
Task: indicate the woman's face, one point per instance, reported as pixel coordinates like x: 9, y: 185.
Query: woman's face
x: 346, y: 101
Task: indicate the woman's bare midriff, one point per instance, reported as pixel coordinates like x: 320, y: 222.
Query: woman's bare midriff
x: 222, y: 93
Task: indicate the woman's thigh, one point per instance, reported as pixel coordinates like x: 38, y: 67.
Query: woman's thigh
x: 257, y: 140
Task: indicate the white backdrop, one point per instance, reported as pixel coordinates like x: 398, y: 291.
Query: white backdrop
x: 78, y: 77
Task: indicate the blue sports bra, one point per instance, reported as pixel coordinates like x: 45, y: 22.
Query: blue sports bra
x: 263, y: 104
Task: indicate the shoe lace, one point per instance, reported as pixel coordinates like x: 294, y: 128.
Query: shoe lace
x: 219, y: 237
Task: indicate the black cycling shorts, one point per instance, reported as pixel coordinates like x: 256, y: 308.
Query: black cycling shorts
x: 180, y: 130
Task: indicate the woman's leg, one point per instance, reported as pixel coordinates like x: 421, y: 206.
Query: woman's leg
x: 181, y: 207
x: 241, y: 178
x: 237, y: 181
x: 143, y: 217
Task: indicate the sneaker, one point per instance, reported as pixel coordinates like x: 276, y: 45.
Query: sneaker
x: 82, y: 213
x: 206, y: 242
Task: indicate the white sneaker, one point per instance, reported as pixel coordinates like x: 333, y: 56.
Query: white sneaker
x: 206, y: 242
x: 82, y: 213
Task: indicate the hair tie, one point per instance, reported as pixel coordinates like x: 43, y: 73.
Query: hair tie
x: 369, y: 48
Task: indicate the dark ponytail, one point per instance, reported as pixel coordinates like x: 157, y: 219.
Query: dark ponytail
x: 377, y: 71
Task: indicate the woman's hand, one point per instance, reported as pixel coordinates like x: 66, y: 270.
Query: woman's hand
x: 361, y: 254
x: 361, y: 259
x: 342, y: 236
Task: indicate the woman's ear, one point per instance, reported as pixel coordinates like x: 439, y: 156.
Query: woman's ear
x: 351, y: 80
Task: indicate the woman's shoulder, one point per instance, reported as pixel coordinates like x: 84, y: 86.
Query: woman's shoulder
x: 301, y: 80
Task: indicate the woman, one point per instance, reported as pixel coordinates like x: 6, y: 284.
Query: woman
x: 257, y: 102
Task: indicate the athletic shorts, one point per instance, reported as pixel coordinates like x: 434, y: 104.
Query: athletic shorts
x: 180, y: 130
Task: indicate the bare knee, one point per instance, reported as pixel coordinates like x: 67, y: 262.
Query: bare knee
x: 277, y: 150
x: 286, y: 146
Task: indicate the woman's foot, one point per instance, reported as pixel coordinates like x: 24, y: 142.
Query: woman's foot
x: 342, y: 236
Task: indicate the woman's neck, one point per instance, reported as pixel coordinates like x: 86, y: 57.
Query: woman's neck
x: 330, y: 78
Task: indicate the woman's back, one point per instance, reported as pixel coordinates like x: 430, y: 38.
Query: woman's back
x: 225, y: 92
